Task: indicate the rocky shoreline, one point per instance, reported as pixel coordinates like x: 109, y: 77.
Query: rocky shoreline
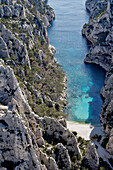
x: 31, y: 88
x: 33, y: 134
x: 99, y: 31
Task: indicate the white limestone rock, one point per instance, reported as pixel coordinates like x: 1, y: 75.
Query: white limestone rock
x: 91, y: 159
x: 59, y: 134
x: 45, y: 20
x: 3, y: 49
x: 3, y: 108
x: 13, y: 43
x: 99, y: 32
x: 16, y: 142
x: 1, y: 12
x: 63, y: 122
x: 62, y: 157
x: 7, y: 11
x: 49, y: 162
x: 109, y: 146
x: 38, y: 15
x: 52, y: 49
x: 10, y: 90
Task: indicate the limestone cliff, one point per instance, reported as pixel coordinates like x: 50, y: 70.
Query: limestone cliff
x: 32, y: 88
x: 23, y: 133
x: 99, y: 31
x: 33, y: 132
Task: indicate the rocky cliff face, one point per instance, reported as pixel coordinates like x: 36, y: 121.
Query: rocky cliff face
x: 24, y: 46
x: 99, y: 31
x: 23, y: 133
x: 32, y: 88
x: 33, y: 133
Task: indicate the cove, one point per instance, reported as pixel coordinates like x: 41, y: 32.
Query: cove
x: 84, y: 80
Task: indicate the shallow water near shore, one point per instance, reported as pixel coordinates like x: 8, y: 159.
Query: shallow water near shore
x: 84, y: 80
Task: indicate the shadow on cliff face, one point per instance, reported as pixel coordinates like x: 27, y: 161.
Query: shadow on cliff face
x: 88, y: 43
x: 98, y: 77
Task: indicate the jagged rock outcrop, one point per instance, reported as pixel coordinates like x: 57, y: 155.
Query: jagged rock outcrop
x: 46, y: 22
x: 91, y: 160
x: 19, y: 148
x: 16, y: 148
x: 12, y: 46
x: 106, y: 115
x: 24, y: 40
x: 62, y: 157
x: 99, y: 32
x: 12, y: 11
x: 3, y: 49
x: 95, y: 6
x: 63, y: 122
x: 107, y: 95
x: 10, y: 92
x: 25, y: 46
x: 109, y: 146
x: 49, y: 162
x: 24, y: 130
x: 56, y: 133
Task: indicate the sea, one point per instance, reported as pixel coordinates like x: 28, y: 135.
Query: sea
x: 84, y: 81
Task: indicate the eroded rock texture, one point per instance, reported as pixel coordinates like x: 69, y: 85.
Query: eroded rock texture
x: 91, y: 160
x: 16, y: 148
x: 99, y: 31
x: 21, y: 135
x: 32, y: 86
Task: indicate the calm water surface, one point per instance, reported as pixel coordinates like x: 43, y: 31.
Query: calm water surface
x: 84, y: 80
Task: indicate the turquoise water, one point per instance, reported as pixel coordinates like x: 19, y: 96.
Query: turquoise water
x: 84, y: 80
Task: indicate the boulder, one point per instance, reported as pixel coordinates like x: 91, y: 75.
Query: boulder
x: 38, y: 15
x: 39, y: 137
x: 21, y: 10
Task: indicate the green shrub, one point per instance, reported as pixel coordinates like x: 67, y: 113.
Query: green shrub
x: 96, y: 137
x: 104, y: 142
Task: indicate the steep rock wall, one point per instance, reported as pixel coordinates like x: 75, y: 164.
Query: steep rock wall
x: 99, y: 31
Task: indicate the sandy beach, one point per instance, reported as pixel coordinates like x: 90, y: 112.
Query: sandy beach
x: 84, y: 130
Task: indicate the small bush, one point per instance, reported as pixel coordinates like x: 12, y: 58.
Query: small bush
x: 104, y: 142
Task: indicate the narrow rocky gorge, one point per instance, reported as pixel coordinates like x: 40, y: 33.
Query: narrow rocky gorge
x: 33, y: 131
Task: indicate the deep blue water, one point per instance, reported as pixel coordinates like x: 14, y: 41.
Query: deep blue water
x: 84, y: 80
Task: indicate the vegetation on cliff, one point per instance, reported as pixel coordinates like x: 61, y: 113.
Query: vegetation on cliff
x: 32, y: 88
x: 41, y: 77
